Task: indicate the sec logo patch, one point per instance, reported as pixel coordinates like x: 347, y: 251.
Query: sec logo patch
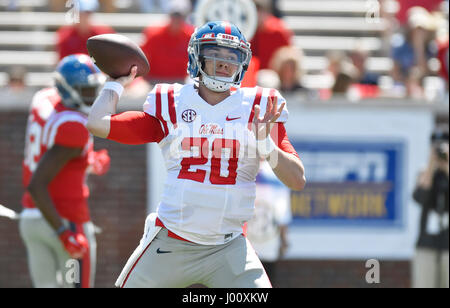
x: 188, y: 115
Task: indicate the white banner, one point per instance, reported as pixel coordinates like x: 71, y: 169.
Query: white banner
x: 366, y: 160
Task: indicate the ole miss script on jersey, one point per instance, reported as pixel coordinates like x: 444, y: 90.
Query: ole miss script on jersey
x: 51, y: 123
x: 211, y: 159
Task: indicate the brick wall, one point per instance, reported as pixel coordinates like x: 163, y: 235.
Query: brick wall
x: 339, y: 274
x: 118, y: 206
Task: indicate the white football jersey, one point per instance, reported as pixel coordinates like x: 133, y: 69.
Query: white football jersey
x: 211, y: 160
x: 272, y: 210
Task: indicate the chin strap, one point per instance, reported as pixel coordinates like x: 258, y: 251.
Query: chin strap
x: 216, y: 85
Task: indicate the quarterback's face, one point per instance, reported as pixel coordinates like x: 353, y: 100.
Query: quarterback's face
x: 220, y: 61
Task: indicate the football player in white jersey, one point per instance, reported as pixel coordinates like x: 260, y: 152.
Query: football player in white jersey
x: 212, y: 137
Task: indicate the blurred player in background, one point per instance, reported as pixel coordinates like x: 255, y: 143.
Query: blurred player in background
x: 430, y: 266
x: 267, y: 230
x: 212, y: 139
x: 55, y: 223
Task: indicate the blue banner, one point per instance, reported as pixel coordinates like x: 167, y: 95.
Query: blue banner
x: 350, y: 183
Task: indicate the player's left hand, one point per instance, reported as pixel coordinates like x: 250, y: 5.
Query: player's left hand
x: 99, y: 162
x: 262, y: 126
x: 75, y: 244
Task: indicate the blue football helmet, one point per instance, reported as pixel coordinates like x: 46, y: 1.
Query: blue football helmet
x: 218, y: 35
x: 78, y: 81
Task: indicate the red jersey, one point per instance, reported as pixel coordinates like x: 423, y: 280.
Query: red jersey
x: 166, y: 52
x: 405, y: 5
x: 51, y: 123
x: 443, y: 58
x: 272, y: 35
x: 250, y: 77
x: 70, y: 41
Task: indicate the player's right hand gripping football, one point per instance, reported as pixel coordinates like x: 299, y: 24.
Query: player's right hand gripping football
x: 75, y: 244
x: 127, y: 80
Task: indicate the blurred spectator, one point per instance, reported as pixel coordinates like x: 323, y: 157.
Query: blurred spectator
x: 359, y: 57
x: 340, y: 72
x: 165, y: 46
x: 270, y: 35
x: 15, y: 91
x: 267, y: 230
x: 405, y: 5
x: 16, y: 78
x: 276, y: 10
x: 412, y: 51
x: 345, y: 77
x: 268, y: 79
x: 148, y: 6
x: 287, y: 63
x: 106, y: 6
x: 387, y: 12
x: 344, y: 81
x: 430, y: 266
x: 366, y: 83
x: 334, y: 58
x: 72, y: 38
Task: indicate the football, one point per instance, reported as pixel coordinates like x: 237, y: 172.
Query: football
x: 115, y: 54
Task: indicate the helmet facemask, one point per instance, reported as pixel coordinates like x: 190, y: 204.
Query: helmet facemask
x: 226, y: 49
x: 80, y: 96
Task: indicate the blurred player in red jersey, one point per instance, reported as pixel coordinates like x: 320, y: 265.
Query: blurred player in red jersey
x: 270, y: 35
x: 212, y: 139
x: 71, y: 39
x: 165, y: 46
x: 55, y: 224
